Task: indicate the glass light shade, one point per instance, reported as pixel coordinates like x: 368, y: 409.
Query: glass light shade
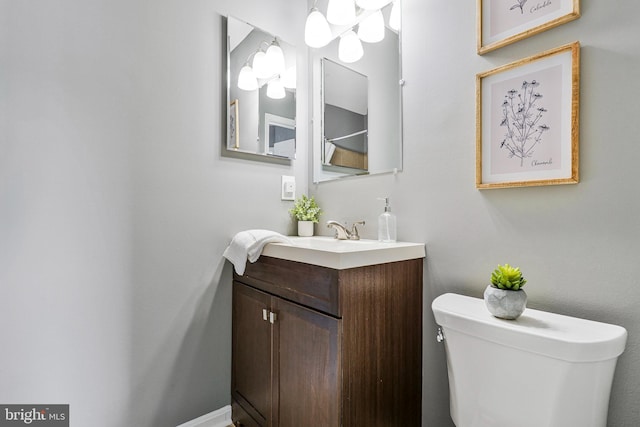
x: 394, y: 17
x: 289, y: 78
x: 275, y: 89
x: 275, y: 59
x: 247, y: 79
x: 371, y: 29
x: 341, y: 12
x: 372, y: 4
x: 350, y: 47
x: 260, y: 65
x: 316, y: 30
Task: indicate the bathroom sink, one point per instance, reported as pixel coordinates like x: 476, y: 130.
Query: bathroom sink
x: 335, y: 245
x: 342, y: 254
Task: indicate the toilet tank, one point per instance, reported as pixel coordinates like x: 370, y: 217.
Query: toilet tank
x: 541, y: 370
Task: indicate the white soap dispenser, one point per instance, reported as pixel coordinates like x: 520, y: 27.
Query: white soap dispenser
x: 387, y: 224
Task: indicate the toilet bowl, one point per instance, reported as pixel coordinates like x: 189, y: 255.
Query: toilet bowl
x: 541, y: 370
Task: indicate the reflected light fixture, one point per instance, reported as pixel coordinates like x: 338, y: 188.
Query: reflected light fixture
x: 316, y: 30
x: 371, y: 29
x: 275, y: 59
x: 260, y: 65
x: 341, y: 12
x: 289, y: 78
x: 275, y: 89
x: 350, y: 48
x: 247, y: 78
x: 267, y: 68
x: 394, y: 17
x: 372, y: 4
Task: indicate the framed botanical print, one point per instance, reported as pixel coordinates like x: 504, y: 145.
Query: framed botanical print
x: 527, y: 121
x: 501, y: 22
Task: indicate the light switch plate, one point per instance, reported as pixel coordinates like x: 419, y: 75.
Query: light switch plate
x: 288, y: 187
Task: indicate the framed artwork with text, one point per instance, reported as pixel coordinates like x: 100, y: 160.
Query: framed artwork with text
x: 501, y: 22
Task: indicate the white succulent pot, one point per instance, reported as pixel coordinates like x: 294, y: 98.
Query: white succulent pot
x: 305, y: 228
x: 505, y: 304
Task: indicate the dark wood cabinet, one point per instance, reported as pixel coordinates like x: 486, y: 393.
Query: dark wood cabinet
x: 251, y: 349
x: 315, y: 346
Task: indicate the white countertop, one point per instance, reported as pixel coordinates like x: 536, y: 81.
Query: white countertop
x: 343, y: 254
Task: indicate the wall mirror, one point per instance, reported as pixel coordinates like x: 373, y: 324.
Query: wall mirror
x: 261, y: 92
x: 345, y: 118
x: 357, y: 105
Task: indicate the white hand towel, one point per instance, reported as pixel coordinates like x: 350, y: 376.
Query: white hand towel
x: 248, y: 245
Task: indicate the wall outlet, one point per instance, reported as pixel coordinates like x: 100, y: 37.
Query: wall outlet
x: 288, y: 187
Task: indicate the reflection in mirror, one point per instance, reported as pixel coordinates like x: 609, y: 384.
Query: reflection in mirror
x: 261, y: 92
x: 378, y: 148
x: 345, y: 118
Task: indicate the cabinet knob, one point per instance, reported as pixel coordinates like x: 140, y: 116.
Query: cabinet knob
x: 265, y: 314
x: 272, y: 317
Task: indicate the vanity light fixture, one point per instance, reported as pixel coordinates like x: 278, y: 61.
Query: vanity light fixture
x: 350, y: 48
x: 316, y: 30
x: 269, y: 63
x: 394, y: 16
x: 372, y: 4
x: 370, y: 23
x: 371, y: 28
x: 289, y: 78
x: 267, y: 68
x: 275, y: 58
x: 260, y: 65
x: 247, y: 79
x: 275, y: 89
x: 341, y: 12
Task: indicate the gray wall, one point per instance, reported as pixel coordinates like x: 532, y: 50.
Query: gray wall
x: 577, y: 244
x: 116, y: 205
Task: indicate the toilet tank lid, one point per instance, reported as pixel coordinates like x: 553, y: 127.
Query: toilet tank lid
x: 554, y: 335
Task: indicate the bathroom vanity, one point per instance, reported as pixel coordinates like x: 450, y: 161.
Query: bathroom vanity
x: 329, y: 333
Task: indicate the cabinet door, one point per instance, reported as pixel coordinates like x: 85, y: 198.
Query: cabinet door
x: 307, y: 365
x: 251, y: 373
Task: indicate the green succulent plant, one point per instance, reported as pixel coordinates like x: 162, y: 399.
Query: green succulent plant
x: 306, y: 209
x: 507, y: 277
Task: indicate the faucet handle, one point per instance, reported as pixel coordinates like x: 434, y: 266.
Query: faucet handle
x: 341, y: 232
x: 354, y: 230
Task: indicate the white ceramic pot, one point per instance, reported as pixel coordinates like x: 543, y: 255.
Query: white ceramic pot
x: 505, y: 304
x: 305, y: 228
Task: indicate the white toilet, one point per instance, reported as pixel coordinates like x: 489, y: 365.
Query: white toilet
x: 541, y: 370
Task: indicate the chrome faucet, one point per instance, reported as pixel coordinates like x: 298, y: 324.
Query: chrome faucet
x: 341, y: 231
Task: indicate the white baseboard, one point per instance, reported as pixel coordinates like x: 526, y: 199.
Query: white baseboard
x: 218, y: 418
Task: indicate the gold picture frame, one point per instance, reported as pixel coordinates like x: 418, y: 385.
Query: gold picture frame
x: 527, y: 121
x: 234, y: 125
x: 501, y: 22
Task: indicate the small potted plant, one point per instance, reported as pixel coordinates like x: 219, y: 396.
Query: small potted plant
x: 307, y: 212
x: 504, y: 297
